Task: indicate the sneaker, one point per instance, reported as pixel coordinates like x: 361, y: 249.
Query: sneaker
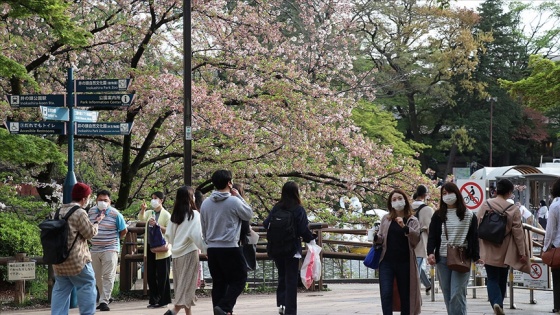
x: 104, y: 307
x: 498, y: 310
x: 428, y: 290
x: 281, y: 310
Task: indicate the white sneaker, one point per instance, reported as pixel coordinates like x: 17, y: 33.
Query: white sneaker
x: 498, y: 310
x: 281, y: 310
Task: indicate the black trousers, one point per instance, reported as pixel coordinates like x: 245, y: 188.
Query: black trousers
x: 556, y: 288
x: 288, y: 276
x: 158, y: 279
x: 229, y: 275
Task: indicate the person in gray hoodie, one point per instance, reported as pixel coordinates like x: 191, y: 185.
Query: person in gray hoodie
x: 221, y: 215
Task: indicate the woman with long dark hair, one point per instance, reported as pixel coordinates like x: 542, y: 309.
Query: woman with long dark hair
x: 184, y: 233
x: 288, y: 266
x: 452, y: 224
x: 399, y: 233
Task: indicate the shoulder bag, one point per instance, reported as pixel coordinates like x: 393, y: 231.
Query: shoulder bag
x: 492, y: 227
x: 156, y: 240
x: 456, y: 256
x: 373, y: 256
x: 551, y: 257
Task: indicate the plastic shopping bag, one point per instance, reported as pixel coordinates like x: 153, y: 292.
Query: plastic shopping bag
x: 311, y: 267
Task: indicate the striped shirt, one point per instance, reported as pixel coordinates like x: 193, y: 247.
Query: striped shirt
x: 83, y: 229
x: 456, y: 229
x: 107, y: 238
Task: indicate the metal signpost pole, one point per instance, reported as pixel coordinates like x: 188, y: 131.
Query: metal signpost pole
x: 187, y: 92
x: 70, y: 176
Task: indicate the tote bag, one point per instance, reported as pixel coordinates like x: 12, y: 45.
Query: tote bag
x: 373, y: 256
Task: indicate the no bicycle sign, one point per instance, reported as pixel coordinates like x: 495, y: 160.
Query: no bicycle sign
x: 473, y: 192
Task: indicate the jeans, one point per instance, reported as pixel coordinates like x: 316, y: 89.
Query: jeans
x: 85, y: 288
x: 288, y: 276
x: 496, y: 284
x: 423, y: 276
x: 388, y: 271
x: 229, y: 275
x: 454, y: 287
x: 105, y: 267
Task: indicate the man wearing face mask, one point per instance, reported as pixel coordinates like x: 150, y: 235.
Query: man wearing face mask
x: 105, y: 246
x: 76, y: 270
x: 158, y: 264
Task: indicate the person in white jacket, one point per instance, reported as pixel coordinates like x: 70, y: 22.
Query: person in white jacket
x: 184, y: 233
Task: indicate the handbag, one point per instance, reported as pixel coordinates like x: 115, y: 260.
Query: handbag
x: 250, y: 255
x: 156, y: 240
x: 373, y: 256
x: 551, y: 257
x: 456, y: 256
x: 492, y: 227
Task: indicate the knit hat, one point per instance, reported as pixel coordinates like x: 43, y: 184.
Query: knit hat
x: 80, y: 191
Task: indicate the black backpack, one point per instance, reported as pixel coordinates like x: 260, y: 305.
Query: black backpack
x: 281, y: 234
x: 54, y: 237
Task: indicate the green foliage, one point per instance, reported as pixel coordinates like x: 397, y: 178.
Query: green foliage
x: 17, y: 235
x: 10, y: 67
x: 379, y: 124
x: 26, y: 207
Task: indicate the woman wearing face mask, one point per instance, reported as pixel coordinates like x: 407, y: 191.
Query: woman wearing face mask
x: 399, y: 233
x: 461, y: 225
x: 511, y: 253
x: 157, y: 264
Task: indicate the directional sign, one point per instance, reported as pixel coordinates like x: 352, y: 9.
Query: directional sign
x: 36, y: 100
x: 108, y: 85
x: 472, y: 192
x: 103, y: 128
x: 106, y: 100
x: 63, y: 114
x: 36, y: 128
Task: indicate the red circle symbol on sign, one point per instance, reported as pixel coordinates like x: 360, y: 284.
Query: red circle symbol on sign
x: 474, y: 195
x: 536, y: 271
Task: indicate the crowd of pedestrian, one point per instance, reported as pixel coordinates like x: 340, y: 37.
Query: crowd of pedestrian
x: 410, y: 235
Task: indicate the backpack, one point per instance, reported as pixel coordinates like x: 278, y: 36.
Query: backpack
x: 281, y: 234
x: 493, y: 225
x: 417, y: 213
x: 54, y: 237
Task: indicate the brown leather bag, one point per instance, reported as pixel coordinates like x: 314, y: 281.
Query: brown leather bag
x: 551, y: 257
x: 457, y: 257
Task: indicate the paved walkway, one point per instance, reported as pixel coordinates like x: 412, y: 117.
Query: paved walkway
x: 341, y: 299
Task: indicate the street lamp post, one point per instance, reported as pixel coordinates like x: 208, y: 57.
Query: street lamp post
x: 187, y: 92
x: 492, y: 100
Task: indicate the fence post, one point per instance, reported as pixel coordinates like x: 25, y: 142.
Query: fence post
x: 19, y: 293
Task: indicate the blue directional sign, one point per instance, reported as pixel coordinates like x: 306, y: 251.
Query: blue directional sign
x: 103, y: 128
x: 63, y: 113
x: 104, y: 100
x: 31, y: 100
x: 37, y: 128
x: 107, y: 85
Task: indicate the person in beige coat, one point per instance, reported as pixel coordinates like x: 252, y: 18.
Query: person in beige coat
x: 513, y: 251
x: 399, y: 233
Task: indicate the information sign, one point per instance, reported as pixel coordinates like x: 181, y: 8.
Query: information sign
x: 31, y: 100
x: 103, y: 128
x: 35, y: 128
x: 21, y: 271
x: 107, y: 85
x: 104, y: 100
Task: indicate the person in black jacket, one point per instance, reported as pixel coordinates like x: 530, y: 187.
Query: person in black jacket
x: 288, y: 267
x: 462, y: 226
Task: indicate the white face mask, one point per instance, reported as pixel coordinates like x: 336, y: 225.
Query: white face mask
x: 398, y: 205
x: 154, y: 203
x: 449, y: 199
x: 102, y: 205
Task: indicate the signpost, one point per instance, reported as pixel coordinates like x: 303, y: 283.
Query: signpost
x: 103, y: 128
x: 36, y: 127
x: 107, y: 85
x: 18, y: 101
x: 104, y: 100
x: 63, y: 114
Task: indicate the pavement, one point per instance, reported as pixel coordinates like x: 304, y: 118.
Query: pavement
x: 338, y: 299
